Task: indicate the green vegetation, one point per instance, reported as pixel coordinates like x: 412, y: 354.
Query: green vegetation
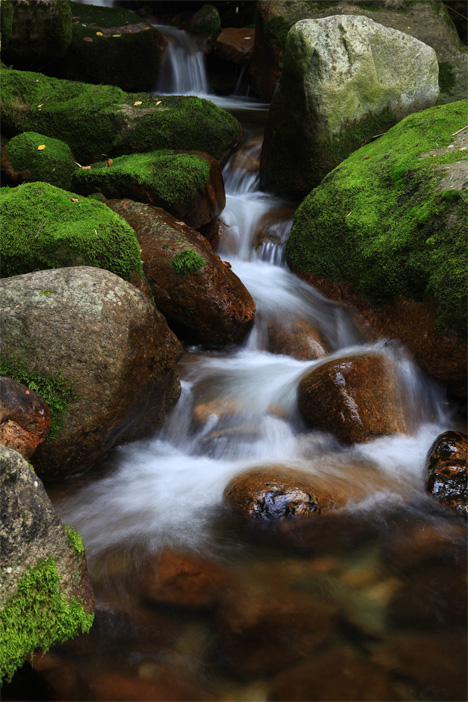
x: 276, y: 31
x: 102, y: 120
x: 447, y: 77
x: 52, y: 164
x: 74, y: 540
x: 109, y: 17
x: 379, y: 222
x: 205, y: 21
x: 46, y: 227
x: 37, y: 617
x: 56, y: 391
x: 173, y: 178
x: 187, y: 262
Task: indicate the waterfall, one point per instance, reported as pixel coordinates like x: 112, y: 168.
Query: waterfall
x: 183, y: 70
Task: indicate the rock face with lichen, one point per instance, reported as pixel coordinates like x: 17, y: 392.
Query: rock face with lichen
x: 345, y: 79
x: 45, y: 595
x: 105, y: 338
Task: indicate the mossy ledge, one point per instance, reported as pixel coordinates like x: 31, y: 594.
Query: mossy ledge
x: 34, y: 157
x: 74, y: 540
x: 380, y: 221
x: 37, y: 617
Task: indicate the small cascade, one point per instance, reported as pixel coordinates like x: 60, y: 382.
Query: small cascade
x: 183, y: 70
x: 98, y: 3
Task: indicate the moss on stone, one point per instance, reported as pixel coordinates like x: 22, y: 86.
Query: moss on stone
x: 46, y: 227
x: 6, y: 21
x: 276, y: 31
x: 74, y: 540
x: 379, y: 221
x: 187, y: 261
x: 56, y: 391
x: 447, y: 77
x: 205, y: 22
x: 174, y: 178
x: 99, y: 121
x: 52, y: 164
x: 37, y: 617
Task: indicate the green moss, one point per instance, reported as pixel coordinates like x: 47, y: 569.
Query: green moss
x: 46, y: 227
x: 276, y: 31
x: 47, y: 292
x: 99, y: 121
x: 205, y: 21
x: 110, y: 17
x: 6, y: 21
x: 38, y: 617
x: 53, y: 164
x: 74, y: 540
x: 379, y: 222
x: 174, y: 178
x: 447, y: 77
x: 56, y: 391
x: 187, y: 262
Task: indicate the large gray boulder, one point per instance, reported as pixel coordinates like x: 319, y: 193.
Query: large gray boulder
x: 345, y: 80
x: 45, y: 593
x: 101, y: 335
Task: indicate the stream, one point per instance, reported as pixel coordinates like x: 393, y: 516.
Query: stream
x: 366, y: 603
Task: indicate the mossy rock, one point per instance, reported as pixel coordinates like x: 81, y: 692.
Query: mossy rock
x: 107, y: 43
x: 35, y: 33
x: 31, y: 157
x: 99, y: 121
x: 205, y: 22
x: 46, y: 227
x: 392, y: 219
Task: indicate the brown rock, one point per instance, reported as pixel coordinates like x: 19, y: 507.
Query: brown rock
x: 356, y: 398
x: 334, y: 674
x: 184, y: 579
x: 123, y: 687
x: 247, y: 158
x: 278, y: 494
x: 214, y: 231
x: 235, y: 44
x: 210, y: 305
x: 446, y: 464
x: 24, y: 417
x: 274, y: 226
x: 222, y: 407
x: 296, y: 337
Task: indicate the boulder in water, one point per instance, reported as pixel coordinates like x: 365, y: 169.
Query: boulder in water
x: 203, y: 300
x: 446, y: 464
x: 101, y: 350
x: 345, y: 79
x: 296, y: 337
x: 45, y: 596
x: 356, y: 398
x: 25, y: 419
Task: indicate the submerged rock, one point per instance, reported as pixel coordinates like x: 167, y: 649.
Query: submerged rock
x: 45, y: 596
x: 356, y: 398
x: 296, y: 337
x: 101, y: 350
x: 203, y: 300
x: 25, y: 419
x: 345, y: 79
x: 446, y: 464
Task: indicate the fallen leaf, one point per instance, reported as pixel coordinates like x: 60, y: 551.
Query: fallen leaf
x: 87, y: 39
x: 41, y: 147
x: 74, y: 199
x: 158, y: 103
x: 86, y: 168
x: 350, y: 212
x: 366, y: 157
x: 109, y: 163
x: 138, y: 102
x: 247, y: 37
x: 182, y: 223
x: 41, y: 105
x: 99, y: 34
x: 116, y: 35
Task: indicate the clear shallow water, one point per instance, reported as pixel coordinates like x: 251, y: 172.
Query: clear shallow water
x: 194, y: 604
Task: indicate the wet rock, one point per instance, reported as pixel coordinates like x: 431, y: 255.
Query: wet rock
x: 335, y: 674
x: 223, y: 408
x: 235, y: 44
x: 422, y: 544
x: 278, y: 494
x: 25, y: 419
x: 296, y: 337
x: 103, y: 342
x: 247, y: 158
x: 183, y: 579
x: 214, y: 231
x: 274, y: 226
x: 46, y: 596
x: 447, y: 466
x: 124, y: 687
x: 187, y: 184
x: 203, y: 300
x: 356, y: 398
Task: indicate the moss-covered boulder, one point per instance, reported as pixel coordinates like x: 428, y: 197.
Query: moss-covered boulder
x: 101, y: 121
x: 31, y: 156
x: 188, y: 185
x: 345, y: 79
x: 34, y: 32
x: 45, y: 594
x: 391, y: 222
x: 46, y: 227
x: 100, y: 348
x: 107, y: 43
x: 205, y: 22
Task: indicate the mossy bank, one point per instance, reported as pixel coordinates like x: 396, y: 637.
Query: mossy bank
x: 392, y: 219
x: 31, y: 157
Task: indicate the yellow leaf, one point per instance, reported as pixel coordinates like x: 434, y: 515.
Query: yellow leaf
x: 138, y: 102
x: 41, y: 147
x: 158, y: 103
x: 99, y: 34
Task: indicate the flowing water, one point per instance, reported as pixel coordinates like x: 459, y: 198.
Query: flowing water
x: 193, y: 604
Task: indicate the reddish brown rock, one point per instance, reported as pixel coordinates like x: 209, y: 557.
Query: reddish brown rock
x: 222, y: 407
x: 278, y: 494
x: 209, y: 305
x: 235, y: 44
x: 274, y: 226
x: 334, y: 674
x: 247, y: 158
x: 123, y: 687
x: 446, y: 465
x: 356, y: 398
x: 24, y: 417
x: 184, y: 579
x: 296, y: 337
x: 214, y: 231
